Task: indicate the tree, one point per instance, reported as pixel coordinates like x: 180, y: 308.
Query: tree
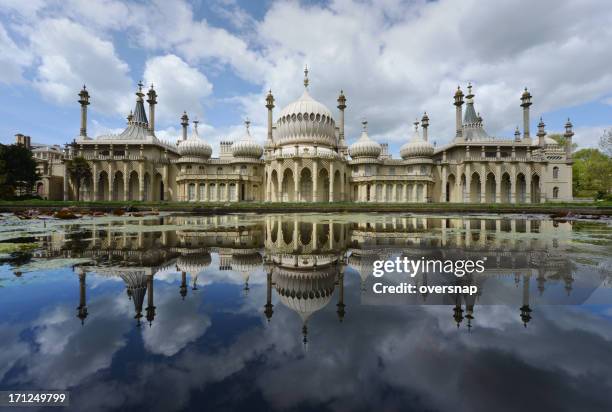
x: 17, y: 171
x: 592, y: 172
x: 562, y: 140
x: 605, y: 142
x: 78, y: 169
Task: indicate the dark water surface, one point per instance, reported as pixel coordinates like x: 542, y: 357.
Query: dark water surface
x: 273, y: 312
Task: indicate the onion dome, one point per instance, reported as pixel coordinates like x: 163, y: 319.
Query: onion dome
x: 246, y: 146
x: 193, y: 264
x: 416, y: 147
x: 305, y: 121
x: 246, y: 262
x: 194, y: 146
x: 364, y: 146
x: 305, y: 293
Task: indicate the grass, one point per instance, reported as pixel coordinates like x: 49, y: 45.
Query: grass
x: 605, y: 206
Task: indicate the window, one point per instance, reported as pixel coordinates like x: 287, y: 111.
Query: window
x: 555, y: 172
x: 219, y: 170
x: 392, y: 171
x: 555, y: 192
x: 423, y: 170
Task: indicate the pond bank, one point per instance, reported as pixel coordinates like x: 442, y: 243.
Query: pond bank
x: 556, y: 209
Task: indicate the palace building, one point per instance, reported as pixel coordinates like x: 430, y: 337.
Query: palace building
x: 306, y: 158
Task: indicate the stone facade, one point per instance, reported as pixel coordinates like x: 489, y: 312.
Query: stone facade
x: 305, y: 158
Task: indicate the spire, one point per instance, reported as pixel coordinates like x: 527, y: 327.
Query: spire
x: 195, y: 126
x: 306, y: 82
x: 247, y: 124
x: 517, y: 135
x: 140, y: 117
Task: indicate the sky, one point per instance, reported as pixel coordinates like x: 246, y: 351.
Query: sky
x: 217, y: 59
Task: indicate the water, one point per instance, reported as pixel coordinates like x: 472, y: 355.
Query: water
x: 255, y: 312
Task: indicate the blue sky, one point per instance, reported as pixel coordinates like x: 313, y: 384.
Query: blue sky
x: 216, y: 59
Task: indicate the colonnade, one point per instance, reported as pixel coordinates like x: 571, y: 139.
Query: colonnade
x: 227, y: 191
x: 391, y: 192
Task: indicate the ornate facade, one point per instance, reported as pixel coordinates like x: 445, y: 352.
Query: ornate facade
x: 306, y: 158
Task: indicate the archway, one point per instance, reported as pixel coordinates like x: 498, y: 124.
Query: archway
x: 506, y: 188
x: 103, y: 186
x: 323, y: 186
x: 336, y: 194
x: 400, y: 193
x: 233, y: 195
x: 450, y: 188
x: 388, y: 193
x: 419, y: 193
x: 212, y: 192
x: 288, y: 186
x: 521, y: 188
x: 147, y: 187
x: 133, y: 188
x: 535, y: 189
x: 191, y: 192
x: 475, y: 188
x: 274, y: 187
x: 158, y: 187
x: 118, y: 187
x: 356, y: 194
x: 305, y: 185
x: 379, y: 193
x: 490, y: 188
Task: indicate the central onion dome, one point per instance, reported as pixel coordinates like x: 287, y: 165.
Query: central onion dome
x: 416, y: 147
x: 194, y: 145
x: 305, y: 121
x: 194, y: 263
x: 246, y: 146
x: 364, y: 146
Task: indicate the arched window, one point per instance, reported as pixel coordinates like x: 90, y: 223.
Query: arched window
x: 555, y: 192
x: 555, y: 172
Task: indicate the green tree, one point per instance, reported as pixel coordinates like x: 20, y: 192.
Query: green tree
x: 17, y: 171
x: 562, y: 140
x: 592, y: 172
x: 605, y: 142
x: 78, y: 169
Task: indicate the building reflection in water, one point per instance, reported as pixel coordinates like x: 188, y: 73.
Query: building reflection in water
x: 305, y: 258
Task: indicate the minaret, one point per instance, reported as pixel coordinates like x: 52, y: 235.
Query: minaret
x: 569, y: 132
x: 183, y: 288
x: 458, y: 112
x: 268, y: 307
x: 517, y: 135
x: 82, y: 308
x: 525, y: 103
x: 541, y: 133
x: 341, y: 312
x: 525, y: 309
x: 341, y: 106
x: 425, y: 125
x: 152, y: 100
x: 184, y: 123
x: 84, y: 101
x: 269, y: 106
x: 150, y: 306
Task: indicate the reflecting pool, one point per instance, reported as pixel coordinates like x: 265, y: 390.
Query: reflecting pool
x: 278, y: 312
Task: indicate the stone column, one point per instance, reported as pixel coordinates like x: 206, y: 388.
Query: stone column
x: 165, y: 180
x: 483, y: 184
x: 94, y: 181
x: 498, y: 181
x: 468, y: 183
x: 414, y: 193
x: 315, y: 181
x: 296, y: 182
x: 425, y: 192
x: 126, y: 182
x: 444, y: 192
x: 65, y: 182
x: 227, y: 191
x: 342, y: 186
x: 331, y: 181
x: 111, y: 181
x: 528, y: 187
x: 141, y: 186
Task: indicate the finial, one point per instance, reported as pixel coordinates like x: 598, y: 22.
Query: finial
x: 151, y: 86
x: 416, y: 125
x: 195, y: 125
x: 364, y: 125
x: 247, y: 123
x: 306, y: 76
x: 84, y: 87
x: 140, y: 86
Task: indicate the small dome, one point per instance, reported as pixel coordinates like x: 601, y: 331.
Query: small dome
x: 193, y: 264
x: 194, y: 145
x: 246, y: 146
x: 416, y: 147
x: 364, y: 146
x: 246, y: 262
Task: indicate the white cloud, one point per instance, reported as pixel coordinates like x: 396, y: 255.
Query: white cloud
x: 13, y: 59
x: 70, y: 56
x: 179, y: 87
